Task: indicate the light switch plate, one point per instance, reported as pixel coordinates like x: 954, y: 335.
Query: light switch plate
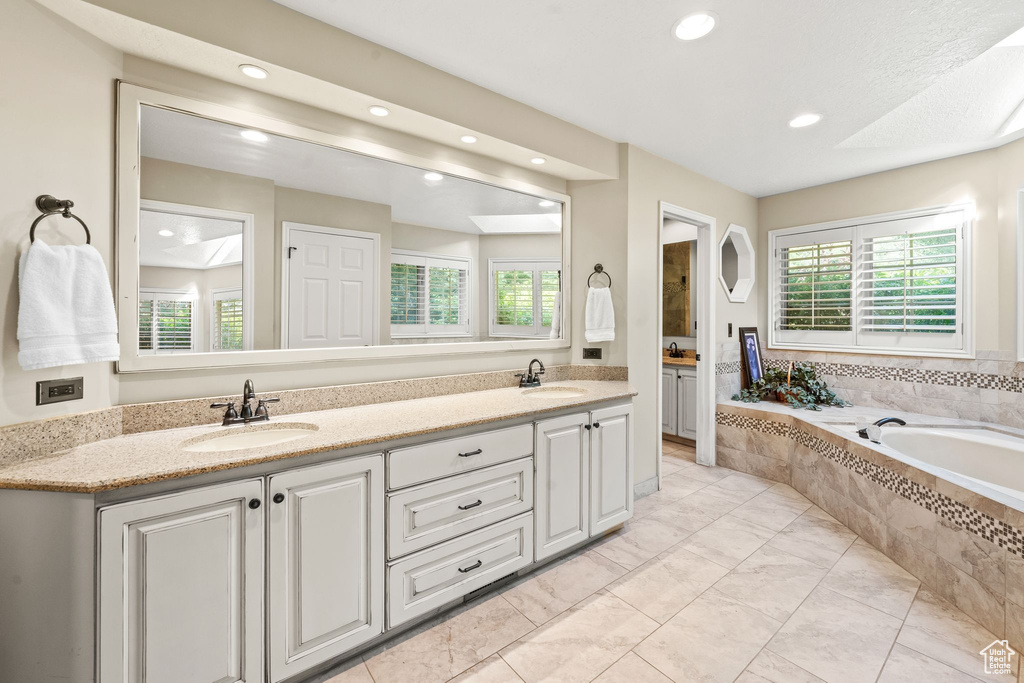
x: 58, y: 390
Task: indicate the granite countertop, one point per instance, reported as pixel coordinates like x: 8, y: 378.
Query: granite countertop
x: 148, y: 457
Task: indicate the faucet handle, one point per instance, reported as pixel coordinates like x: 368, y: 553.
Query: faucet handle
x: 230, y: 405
x: 261, y: 407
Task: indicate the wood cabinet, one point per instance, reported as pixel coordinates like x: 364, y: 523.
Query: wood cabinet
x: 679, y: 402
x: 181, y: 590
x: 326, y: 562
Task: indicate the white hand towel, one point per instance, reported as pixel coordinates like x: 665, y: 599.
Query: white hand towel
x: 600, y: 315
x: 556, y: 317
x: 66, y: 309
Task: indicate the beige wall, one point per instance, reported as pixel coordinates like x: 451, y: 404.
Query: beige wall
x: 57, y: 119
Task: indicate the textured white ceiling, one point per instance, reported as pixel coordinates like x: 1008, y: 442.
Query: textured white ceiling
x: 721, y: 105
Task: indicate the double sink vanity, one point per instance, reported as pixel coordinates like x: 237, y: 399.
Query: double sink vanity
x: 270, y: 551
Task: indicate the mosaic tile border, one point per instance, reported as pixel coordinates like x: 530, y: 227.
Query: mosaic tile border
x: 978, y: 523
x: 950, y: 378
x: 727, y: 368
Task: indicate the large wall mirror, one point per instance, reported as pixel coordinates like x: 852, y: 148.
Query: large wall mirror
x: 245, y: 240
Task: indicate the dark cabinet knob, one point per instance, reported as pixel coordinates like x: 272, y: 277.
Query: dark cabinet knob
x: 596, y: 425
x: 254, y: 503
x: 278, y: 498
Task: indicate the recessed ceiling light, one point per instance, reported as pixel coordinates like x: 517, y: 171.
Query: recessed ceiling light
x: 433, y: 177
x: 804, y: 120
x: 253, y: 135
x: 468, y: 139
x: 538, y: 160
x: 166, y: 233
x: 546, y: 203
x: 378, y: 110
x: 253, y: 71
x: 694, y: 26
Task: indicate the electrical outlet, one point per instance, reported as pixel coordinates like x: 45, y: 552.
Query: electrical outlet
x: 730, y: 329
x: 591, y: 353
x: 57, y: 390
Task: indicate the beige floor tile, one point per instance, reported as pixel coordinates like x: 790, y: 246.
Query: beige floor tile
x: 907, y: 666
x: 727, y: 541
x: 685, y: 518
x: 580, y: 643
x: 816, y: 539
x: 747, y: 483
x: 632, y: 669
x: 678, y: 485
x: 836, y: 638
x: 769, y: 667
x: 772, y: 581
x: 712, y: 639
x: 713, y: 505
x: 648, y: 504
x: 548, y: 592
x: 355, y: 673
x: 494, y: 669
x: 445, y: 649
x: 640, y: 541
x: 868, y: 576
x: 771, y: 510
x: 704, y: 473
x: 789, y: 492
x: 663, y: 586
x: 669, y: 466
x: 939, y: 630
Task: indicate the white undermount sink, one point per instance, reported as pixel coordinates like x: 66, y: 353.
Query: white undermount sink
x: 554, y: 392
x: 250, y: 438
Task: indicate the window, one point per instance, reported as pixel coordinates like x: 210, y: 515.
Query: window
x: 429, y: 295
x: 166, y: 321
x: 522, y: 297
x: 896, y: 284
x: 226, y: 329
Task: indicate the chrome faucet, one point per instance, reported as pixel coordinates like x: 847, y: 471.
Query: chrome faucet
x: 531, y: 378
x: 863, y: 433
x: 231, y: 416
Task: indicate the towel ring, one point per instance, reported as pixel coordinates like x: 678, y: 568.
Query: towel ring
x: 51, y: 206
x: 599, y: 270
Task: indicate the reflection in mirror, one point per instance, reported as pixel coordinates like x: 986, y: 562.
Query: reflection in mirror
x: 729, y: 264
x: 736, y: 263
x: 254, y: 241
x: 678, y: 296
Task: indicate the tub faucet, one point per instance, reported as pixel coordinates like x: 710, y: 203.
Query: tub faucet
x: 531, y: 378
x: 863, y: 433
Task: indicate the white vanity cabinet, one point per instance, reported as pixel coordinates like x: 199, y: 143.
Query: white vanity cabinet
x: 669, y: 402
x: 180, y: 587
x: 326, y: 562
x: 611, y: 467
x: 679, y: 401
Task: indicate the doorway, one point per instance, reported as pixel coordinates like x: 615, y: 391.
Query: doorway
x: 686, y: 286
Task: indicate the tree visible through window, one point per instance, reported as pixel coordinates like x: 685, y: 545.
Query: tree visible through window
x: 429, y: 295
x: 166, y: 321
x: 226, y: 329
x: 523, y: 295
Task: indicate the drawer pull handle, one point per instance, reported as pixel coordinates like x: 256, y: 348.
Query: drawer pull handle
x: 471, y: 505
x: 471, y: 453
x: 475, y: 565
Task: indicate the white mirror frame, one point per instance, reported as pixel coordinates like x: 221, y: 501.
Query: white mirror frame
x: 131, y: 99
x: 1020, y: 274
x: 744, y: 264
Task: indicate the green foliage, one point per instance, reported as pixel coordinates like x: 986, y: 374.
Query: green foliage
x: 804, y: 390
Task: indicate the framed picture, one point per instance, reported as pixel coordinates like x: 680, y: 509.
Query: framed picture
x: 751, y: 367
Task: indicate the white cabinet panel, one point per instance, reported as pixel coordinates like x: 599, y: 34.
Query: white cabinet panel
x: 417, y: 464
x: 669, y: 410
x: 326, y: 562
x: 611, y: 467
x: 563, y: 483
x: 181, y: 587
x: 688, y: 405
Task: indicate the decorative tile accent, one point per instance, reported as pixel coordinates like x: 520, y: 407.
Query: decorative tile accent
x: 727, y: 368
x: 978, y: 523
x: 951, y: 378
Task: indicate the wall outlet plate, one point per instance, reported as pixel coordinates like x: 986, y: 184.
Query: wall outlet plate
x: 730, y: 329
x: 58, y: 390
x: 591, y: 353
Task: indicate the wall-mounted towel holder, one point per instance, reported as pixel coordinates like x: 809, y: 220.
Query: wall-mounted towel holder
x: 599, y: 270
x: 51, y: 206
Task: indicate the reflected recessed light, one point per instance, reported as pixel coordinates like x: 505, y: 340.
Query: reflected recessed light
x: 253, y: 71
x: 694, y: 26
x: 538, y: 160
x: 166, y: 233
x: 546, y: 203
x: 468, y: 139
x: 433, y: 177
x: 805, y: 120
x: 253, y: 135
x: 378, y: 110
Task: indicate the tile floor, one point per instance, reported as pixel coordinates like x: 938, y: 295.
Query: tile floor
x: 720, y: 576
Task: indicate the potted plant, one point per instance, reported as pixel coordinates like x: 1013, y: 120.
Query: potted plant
x: 797, y: 386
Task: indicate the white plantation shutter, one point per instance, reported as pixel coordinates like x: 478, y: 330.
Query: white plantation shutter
x: 226, y: 329
x: 429, y: 295
x: 522, y: 297
x: 166, y: 321
x: 814, y: 287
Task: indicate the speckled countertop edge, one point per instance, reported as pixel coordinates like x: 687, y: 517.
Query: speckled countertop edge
x: 135, y: 459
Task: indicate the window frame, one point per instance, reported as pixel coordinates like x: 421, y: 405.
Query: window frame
x: 538, y: 331
x: 195, y: 332
x: 814, y: 341
x: 426, y: 330
x: 218, y: 294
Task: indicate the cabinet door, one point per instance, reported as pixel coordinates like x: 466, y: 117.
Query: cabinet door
x: 688, y: 405
x: 611, y: 467
x: 669, y: 410
x: 560, y: 496
x: 181, y: 587
x: 326, y: 568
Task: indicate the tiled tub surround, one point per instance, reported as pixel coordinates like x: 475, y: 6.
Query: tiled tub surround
x: 960, y: 542
x: 30, y: 440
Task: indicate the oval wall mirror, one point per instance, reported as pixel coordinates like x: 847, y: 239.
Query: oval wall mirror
x: 736, y: 263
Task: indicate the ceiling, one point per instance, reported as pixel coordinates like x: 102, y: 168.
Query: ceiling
x: 194, y: 242
x: 897, y: 83
x: 448, y: 203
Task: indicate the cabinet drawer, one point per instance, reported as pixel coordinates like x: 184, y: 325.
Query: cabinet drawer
x: 439, y: 575
x: 430, y: 513
x: 417, y: 464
